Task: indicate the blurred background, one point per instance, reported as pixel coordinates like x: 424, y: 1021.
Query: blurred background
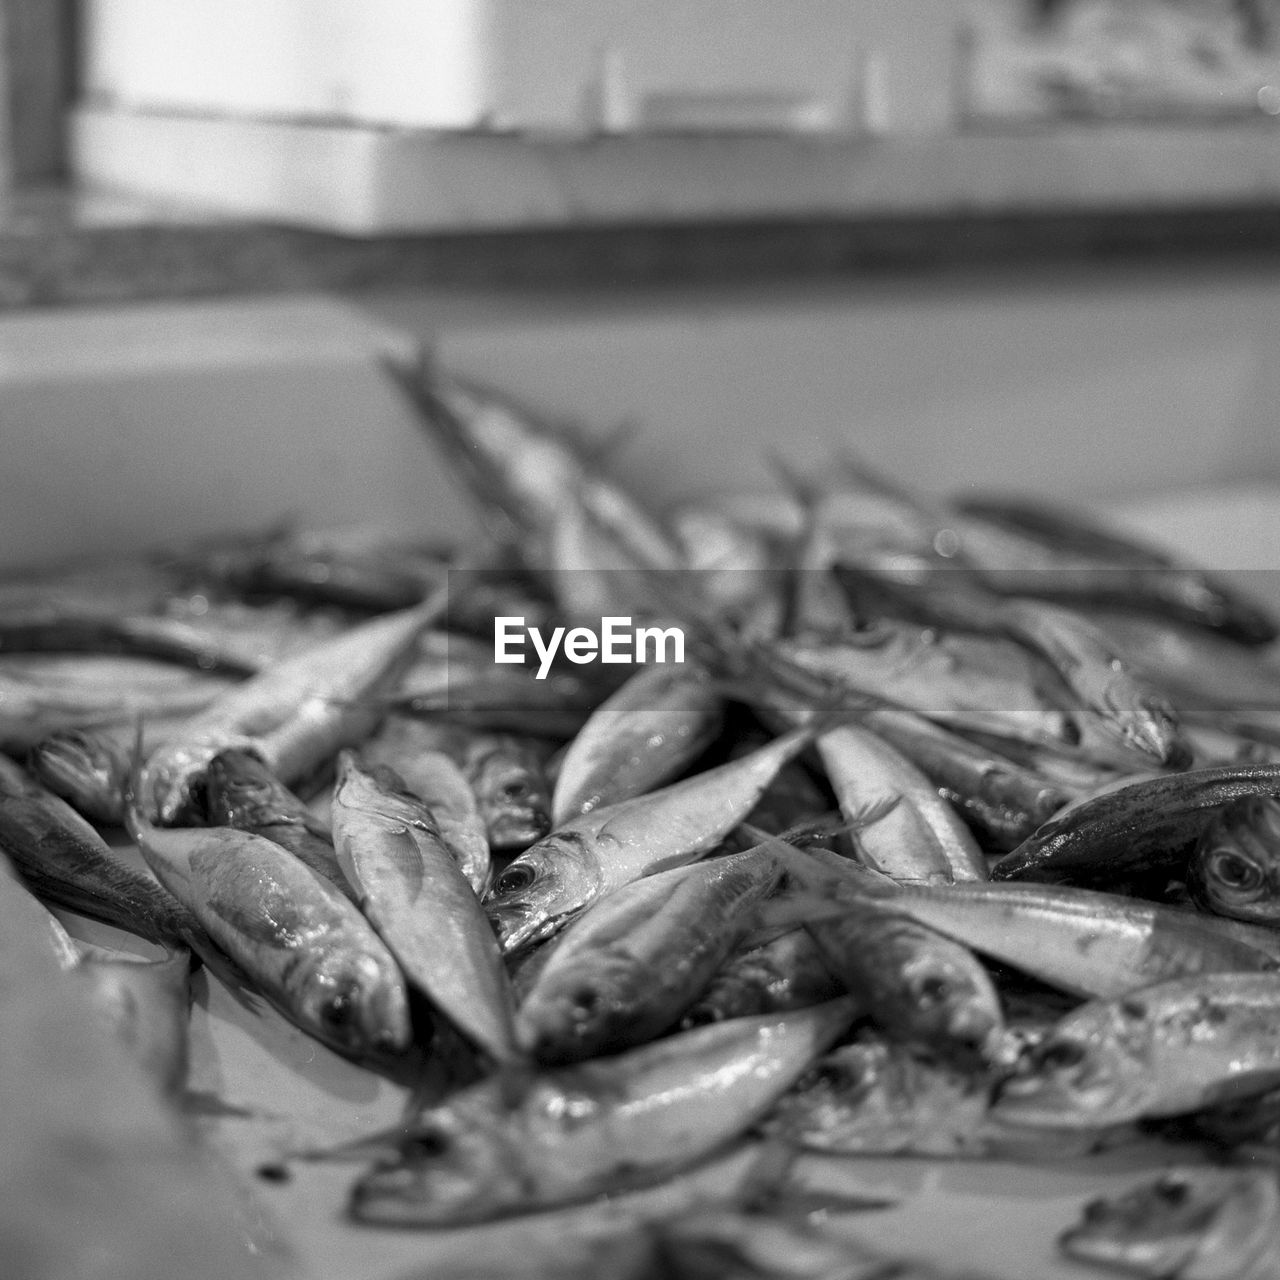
x: 1027, y: 244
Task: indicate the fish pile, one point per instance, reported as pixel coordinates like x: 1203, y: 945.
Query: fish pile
x: 952, y: 830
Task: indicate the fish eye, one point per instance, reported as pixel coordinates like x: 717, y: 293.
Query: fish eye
x: 1059, y: 1055
x: 1235, y: 872
x: 1173, y: 1191
x: 514, y: 879
x: 423, y: 1145
x: 337, y: 1011
x: 517, y: 789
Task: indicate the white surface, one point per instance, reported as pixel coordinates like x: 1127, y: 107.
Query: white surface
x: 515, y: 63
x: 366, y: 180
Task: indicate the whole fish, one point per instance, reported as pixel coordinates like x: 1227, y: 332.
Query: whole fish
x: 605, y: 849
x: 1077, y: 940
x: 645, y: 734
x: 87, y: 769
x: 432, y: 776
x: 594, y: 1127
x: 1164, y: 1050
x: 1188, y: 1224
x: 307, y: 949
x: 1133, y: 825
x: 627, y: 969
x: 42, y: 694
x: 294, y: 715
x: 64, y: 861
x: 243, y: 793
x: 411, y: 887
x: 788, y: 972
x: 1235, y: 869
x: 919, y: 836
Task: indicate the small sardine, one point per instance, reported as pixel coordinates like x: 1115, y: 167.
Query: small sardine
x: 508, y: 777
x: 243, y: 793
x: 413, y: 890
x: 594, y: 1127
x: 1189, y: 1224
x: 87, y: 769
x: 1163, y: 1050
x: 307, y: 949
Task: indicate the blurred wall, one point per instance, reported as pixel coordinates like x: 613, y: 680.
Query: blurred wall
x: 152, y: 424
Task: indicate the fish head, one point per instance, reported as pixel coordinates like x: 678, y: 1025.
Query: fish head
x: 241, y: 789
x: 541, y: 888
x: 356, y: 1003
x: 512, y: 793
x: 1235, y: 870
x: 1210, y: 1217
x: 1082, y: 1075
x: 71, y: 758
x: 452, y: 1169
x: 955, y: 1006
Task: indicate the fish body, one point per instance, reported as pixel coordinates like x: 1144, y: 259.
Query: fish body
x: 1132, y: 825
x: 874, y: 1097
x: 411, y: 887
x: 920, y: 837
x: 1188, y: 1224
x: 643, y: 735
x: 1164, y: 1050
x: 593, y: 1127
x: 64, y: 861
x: 606, y: 848
x: 788, y: 972
x: 626, y: 970
x: 243, y: 793
x: 305, y: 946
x: 1087, y: 943
x: 417, y: 755
x: 293, y: 715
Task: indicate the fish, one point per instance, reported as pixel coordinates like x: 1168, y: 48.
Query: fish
x: 64, y: 861
x: 508, y: 778
x: 919, y: 836
x: 44, y: 693
x: 645, y: 734
x: 787, y: 972
x: 1235, y: 869
x: 578, y: 1131
x: 85, y: 768
x: 1166, y: 1049
x: 434, y: 777
x: 1187, y: 1223
x: 306, y: 948
x: 625, y: 971
x: 1087, y: 943
x: 412, y: 889
x: 294, y: 715
x: 242, y: 792
x: 600, y: 851
x: 875, y: 1097
x: 1135, y: 824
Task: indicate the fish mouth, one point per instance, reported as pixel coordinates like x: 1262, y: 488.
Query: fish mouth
x: 519, y: 927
